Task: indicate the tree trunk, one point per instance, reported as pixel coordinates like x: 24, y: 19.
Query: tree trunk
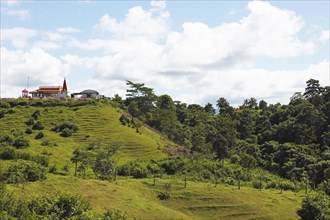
x: 239, y: 183
x: 75, y: 170
x: 223, y: 167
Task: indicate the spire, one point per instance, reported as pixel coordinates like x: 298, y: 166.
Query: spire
x: 65, y: 88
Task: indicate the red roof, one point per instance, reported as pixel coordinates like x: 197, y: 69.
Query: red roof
x: 65, y: 88
x: 25, y: 90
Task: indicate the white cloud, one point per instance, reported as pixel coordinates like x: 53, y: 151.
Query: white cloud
x: 325, y: 35
x: 20, y: 14
x: 138, y: 23
x: 47, y: 45
x: 18, y: 36
x: 200, y: 62
x: 68, y: 30
x: 41, y: 67
x: 196, y: 65
x: 54, y: 36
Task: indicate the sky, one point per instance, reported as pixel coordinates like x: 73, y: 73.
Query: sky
x: 194, y: 51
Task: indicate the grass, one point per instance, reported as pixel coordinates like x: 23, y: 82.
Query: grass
x: 197, y: 201
x: 94, y: 123
x: 137, y: 196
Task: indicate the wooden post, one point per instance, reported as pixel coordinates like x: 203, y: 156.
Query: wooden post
x: 154, y: 181
x: 185, y: 182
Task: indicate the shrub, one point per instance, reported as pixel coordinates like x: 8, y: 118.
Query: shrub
x: 20, y: 143
x: 4, y: 105
x: 61, y: 127
x: 163, y: 196
x: 66, y: 132
x: 5, y: 138
x: 25, y: 171
x: 36, y: 115
x: 124, y: 120
x: 256, y: 184
x: 28, y: 131
x: 115, y: 215
x: 2, y: 114
x: 38, y: 126
x: 7, y: 153
x: 39, y: 135
x: 52, y: 169
x: 66, y: 129
x: 287, y: 185
x: 271, y: 185
x: 30, y: 121
x: 315, y: 206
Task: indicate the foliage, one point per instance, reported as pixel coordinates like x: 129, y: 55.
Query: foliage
x: 39, y: 135
x: 21, y: 142
x: 23, y: 172
x: 66, y: 129
x: 38, y: 126
x: 315, y: 206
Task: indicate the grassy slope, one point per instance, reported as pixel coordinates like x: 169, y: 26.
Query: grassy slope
x: 138, y: 197
x: 94, y: 123
x: 197, y: 201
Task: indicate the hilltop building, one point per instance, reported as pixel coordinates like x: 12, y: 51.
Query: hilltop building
x: 88, y: 93
x: 25, y: 93
x: 51, y: 91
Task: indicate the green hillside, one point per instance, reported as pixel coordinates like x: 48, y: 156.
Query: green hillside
x: 94, y: 123
x: 97, y: 121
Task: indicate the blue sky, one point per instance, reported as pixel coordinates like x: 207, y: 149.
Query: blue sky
x: 195, y: 51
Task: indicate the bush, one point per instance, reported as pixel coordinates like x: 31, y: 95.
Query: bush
x: 36, y: 115
x: 28, y: 131
x: 4, y: 105
x: 65, y: 125
x: 271, y: 185
x: 2, y: 114
x: 287, y: 185
x: 38, y: 126
x: 30, y: 121
x: 256, y: 184
x: 66, y: 129
x: 25, y: 171
x: 315, y: 206
x: 115, y: 215
x: 7, y: 153
x: 20, y: 143
x: 124, y: 120
x: 163, y: 196
x: 39, y: 135
x: 5, y: 138
x: 52, y: 169
x: 66, y: 132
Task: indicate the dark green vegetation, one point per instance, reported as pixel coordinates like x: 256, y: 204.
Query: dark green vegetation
x: 256, y: 161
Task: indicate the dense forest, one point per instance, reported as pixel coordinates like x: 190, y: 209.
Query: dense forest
x: 291, y: 141
x: 258, y: 145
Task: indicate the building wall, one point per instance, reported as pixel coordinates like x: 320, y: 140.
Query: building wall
x: 90, y: 95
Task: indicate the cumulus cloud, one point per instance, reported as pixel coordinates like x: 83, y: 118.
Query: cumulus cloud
x: 41, y: 67
x: 68, y: 30
x: 17, y: 36
x: 138, y: 23
x: 197, y: 65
